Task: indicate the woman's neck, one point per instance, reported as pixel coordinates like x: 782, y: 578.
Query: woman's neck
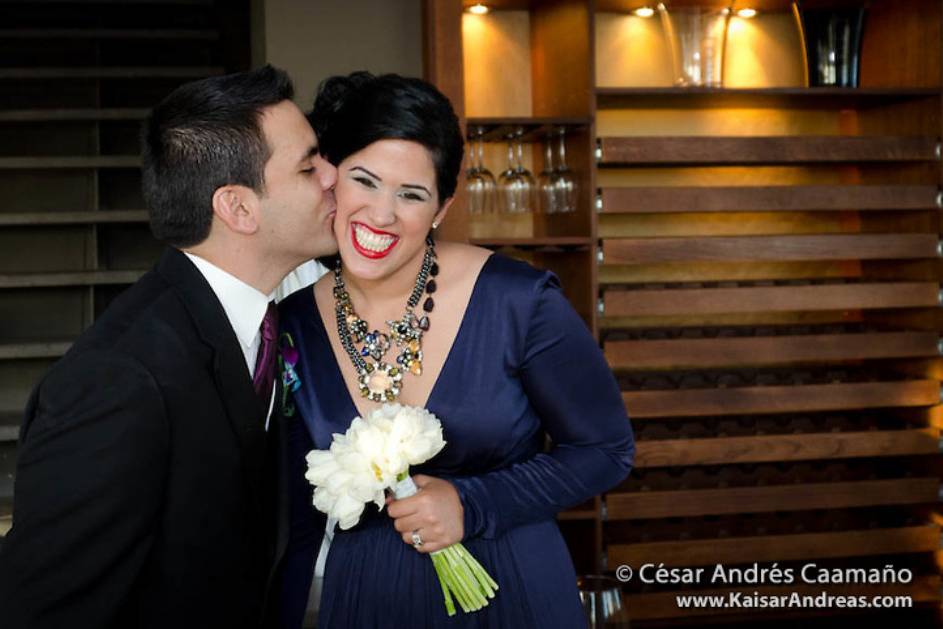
x: 385, y: 293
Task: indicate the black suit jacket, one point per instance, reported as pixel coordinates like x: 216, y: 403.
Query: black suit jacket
x: 144, y: 494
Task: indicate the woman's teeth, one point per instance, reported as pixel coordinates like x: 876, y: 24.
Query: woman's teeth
x: 371, y: 241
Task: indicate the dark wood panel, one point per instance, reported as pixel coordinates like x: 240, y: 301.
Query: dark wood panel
x: 805, y: 496
x: 764, y: 150
x: 767, y: 198
x: 144, y: 72
x: 775, y: 350
x: 767, y: 548
x: 561, y: 58
x: 801, y: 447
x: 664, y: 605
x: 812, y: 247
x: 45, y: 115
x: 48, y: 163
x: 73, y: 218
x: 649, y: 302
x: 107, y: 33
x: 82, y: 278
x: 780, y: 399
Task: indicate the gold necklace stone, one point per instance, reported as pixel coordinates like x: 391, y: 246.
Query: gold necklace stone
x: 377, y: 379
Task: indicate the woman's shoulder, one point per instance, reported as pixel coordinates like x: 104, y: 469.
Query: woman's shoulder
x: 502, y: 278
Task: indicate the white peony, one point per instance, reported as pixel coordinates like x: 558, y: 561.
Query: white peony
x: 369, y: 458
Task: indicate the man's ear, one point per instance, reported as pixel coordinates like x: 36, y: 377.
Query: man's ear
x: 238, y: 208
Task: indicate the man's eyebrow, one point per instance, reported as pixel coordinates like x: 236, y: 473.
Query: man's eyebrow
x: 313, y: 150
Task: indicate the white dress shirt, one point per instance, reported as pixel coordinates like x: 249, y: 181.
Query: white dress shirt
x: 244, y: 306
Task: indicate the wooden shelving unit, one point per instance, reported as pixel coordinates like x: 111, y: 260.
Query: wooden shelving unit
x: 762, y: 272
x: 76, y: 80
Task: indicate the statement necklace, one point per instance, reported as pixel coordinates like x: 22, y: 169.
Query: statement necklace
x: 380, y: 381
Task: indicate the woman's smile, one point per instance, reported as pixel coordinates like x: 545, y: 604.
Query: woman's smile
x: 372, y: 243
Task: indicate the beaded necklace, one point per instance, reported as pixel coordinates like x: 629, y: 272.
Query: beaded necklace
x: 378, y: 380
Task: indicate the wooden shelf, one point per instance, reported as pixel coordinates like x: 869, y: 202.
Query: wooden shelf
x: 769, y: 548
x: 689, y: 301
x: 534, y: 243
x: 645, y: 150
x: 535, y: 128
x: 650, y: 199
x: 51, y: 115
x: 801, y: 447
x: 109, y: 33
x: 143, y: 72
x: 19, y: 351
x: 721, y: 352
x: 770, y: 498
x: 780, y: 399
x: 73, y: 218
x: 81, y: 278
x: 778, y: 97
x: 9, y: 433
x: 767, y: 248
x: 71, y: 162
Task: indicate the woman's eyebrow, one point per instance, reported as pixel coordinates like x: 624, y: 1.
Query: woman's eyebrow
x: 415, y: 186
x: 377, y: 177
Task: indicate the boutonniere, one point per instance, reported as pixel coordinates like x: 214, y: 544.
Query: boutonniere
x: 287, y: 359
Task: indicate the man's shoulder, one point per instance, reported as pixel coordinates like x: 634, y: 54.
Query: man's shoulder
x: 147, y: 322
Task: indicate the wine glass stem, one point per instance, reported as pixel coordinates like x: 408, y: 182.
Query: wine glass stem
x: 562, y: 152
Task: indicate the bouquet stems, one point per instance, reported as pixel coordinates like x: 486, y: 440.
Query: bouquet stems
x: 461, y: 577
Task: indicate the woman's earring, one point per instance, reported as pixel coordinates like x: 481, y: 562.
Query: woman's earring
x: 435, y: 225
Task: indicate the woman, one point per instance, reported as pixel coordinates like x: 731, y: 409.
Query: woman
x: 489, y: 345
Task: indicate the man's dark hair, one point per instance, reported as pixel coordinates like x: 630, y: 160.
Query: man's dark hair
x: 352, y: 112
x: 202, y: 136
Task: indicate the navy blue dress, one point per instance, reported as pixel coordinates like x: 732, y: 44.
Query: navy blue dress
x: 522, y: 366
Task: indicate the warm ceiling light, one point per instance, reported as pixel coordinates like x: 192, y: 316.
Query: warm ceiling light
x: 746, y: 13
x: 644, y: 12
x: 478, y: 9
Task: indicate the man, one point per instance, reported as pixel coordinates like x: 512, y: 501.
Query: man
x: 144, y: 491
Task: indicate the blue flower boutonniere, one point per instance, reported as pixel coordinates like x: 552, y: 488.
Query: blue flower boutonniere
x: 287, y: 359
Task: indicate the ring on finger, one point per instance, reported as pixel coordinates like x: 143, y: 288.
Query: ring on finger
x: 417, y: 540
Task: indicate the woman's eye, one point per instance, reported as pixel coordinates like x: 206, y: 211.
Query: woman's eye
x: 308, y: 171
x: 365, y: 182
x: 412, y: 196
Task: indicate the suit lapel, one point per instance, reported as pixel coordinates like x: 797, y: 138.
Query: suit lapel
x: 243, y: 407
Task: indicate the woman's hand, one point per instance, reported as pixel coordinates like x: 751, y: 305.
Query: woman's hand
x: 435, y: 514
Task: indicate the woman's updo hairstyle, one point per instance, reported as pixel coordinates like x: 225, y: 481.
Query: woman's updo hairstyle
x: 352, y: 112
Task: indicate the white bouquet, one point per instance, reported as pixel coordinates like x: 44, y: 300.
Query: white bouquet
x: 374, y: 455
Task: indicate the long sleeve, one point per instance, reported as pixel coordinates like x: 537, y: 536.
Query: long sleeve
x: 571, y: 388
x: 89, y: 485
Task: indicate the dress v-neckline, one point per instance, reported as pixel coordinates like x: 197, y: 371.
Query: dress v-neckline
x: 339, y: 374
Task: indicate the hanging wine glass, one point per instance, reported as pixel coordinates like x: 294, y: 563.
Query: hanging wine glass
x: 545, y: 181
x: 527, y: 183
x: 479, y: 182
x: 511, y: 186
x: 564, y: 181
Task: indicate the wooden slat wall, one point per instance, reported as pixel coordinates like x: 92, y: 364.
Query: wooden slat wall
x: 774, y: 330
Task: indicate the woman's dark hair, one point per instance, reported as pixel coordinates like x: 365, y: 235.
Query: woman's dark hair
x: 202, y: 136
x: 352, y: 112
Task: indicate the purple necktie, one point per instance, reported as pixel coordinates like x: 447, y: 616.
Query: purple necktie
x: 264, y: 378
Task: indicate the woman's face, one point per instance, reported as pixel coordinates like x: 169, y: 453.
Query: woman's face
x: 386, y: 203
